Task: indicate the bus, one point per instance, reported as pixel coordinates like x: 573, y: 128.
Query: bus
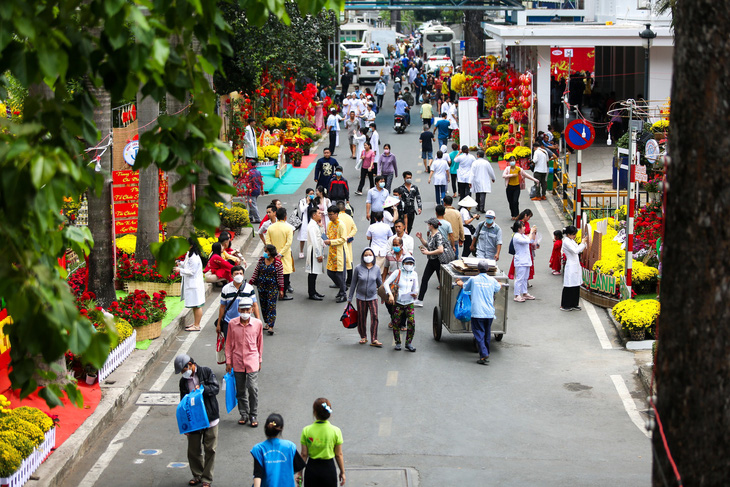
x: 435, y: 37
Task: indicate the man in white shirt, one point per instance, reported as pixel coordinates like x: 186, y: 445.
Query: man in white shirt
x: 380, y: 89
x: 378, y: 234
x: 375, y: 143
x: 346, y: 102
x: 250, y: 150
x: 333, y: 127
x: 482, y: 177
x: 412, y: 75
x: 352, y: 124
x: 540, y: 158
x: 400, y: 232
x: 463, y: 174
x: 386, y: 73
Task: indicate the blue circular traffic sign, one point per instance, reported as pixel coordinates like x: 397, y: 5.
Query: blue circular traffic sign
x: 580, y: 134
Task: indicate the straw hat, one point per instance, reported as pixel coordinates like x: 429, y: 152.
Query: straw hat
x: 467, y: 202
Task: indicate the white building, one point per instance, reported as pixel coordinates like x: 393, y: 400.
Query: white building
x: 611, y: 26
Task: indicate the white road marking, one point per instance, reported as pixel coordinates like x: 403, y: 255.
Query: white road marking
x: 385, y: 425
x: 259, y: 248
x: 546, y: 221
x: 629, y: 404
x: 418, y: 180
x: 392, y: 379
x: 170, y: 369
x: 597, y: 326
x: 116, y: 444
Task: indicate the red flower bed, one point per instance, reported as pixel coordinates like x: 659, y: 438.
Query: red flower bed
x: 139, y: 309
x: 130, y: 270
x: 648, y: 224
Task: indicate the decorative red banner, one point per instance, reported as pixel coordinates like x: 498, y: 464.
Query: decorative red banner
x: 123, y: 211
x: 127, y: 193
x: 125, y: 177
x: 125, y: 226
x: 576, y: 58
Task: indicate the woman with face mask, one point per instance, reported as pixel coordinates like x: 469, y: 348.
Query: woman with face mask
x: 367, y: 159
x: 514, y: 181
x: 302, y: 210
x: 388, y: 166
x: 405, y: 283
x: 268, y: 277
x: 366, y: 279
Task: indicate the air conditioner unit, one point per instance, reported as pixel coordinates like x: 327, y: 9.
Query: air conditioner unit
x: 643, y: 4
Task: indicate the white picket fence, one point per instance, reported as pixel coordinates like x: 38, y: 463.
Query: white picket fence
x: 32, y: 462
x: 117, y: 356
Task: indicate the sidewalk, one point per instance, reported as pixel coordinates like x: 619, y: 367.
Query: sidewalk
x: 116, y: 391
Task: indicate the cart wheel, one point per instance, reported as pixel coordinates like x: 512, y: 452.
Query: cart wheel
x: 498, y: 337
x: 437, y: 323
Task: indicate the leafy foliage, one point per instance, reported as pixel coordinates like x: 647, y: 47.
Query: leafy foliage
x: 120, y: 47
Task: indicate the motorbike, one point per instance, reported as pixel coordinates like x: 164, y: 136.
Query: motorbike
x: 399, y: 124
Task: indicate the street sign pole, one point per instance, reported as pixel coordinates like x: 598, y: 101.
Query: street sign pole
x: 578, y: 197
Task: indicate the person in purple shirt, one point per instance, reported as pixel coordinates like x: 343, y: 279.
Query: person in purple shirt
x: 388, y: 166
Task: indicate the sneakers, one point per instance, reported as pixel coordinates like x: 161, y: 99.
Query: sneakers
x: 576, y: 308
x: 301, y: 255
x: 556, y: 273
x: 397, y: 346
x: 566, y: 309
x: 543, y: 198
x: 359, y: 193
x: 483, y: 361
x: 418, y: 303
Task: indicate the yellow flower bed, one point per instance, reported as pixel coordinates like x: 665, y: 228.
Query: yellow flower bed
x: 636, y: 315
x: 34, y: 416
x: 206, y: 244
x: 522, y: 151
x: 10, y: 459
x: 271, y: 151
x: 124, y: 329
x: 128, y: 243
x: 12, y: 422
x: 660, y: 126
x: 21, y: 443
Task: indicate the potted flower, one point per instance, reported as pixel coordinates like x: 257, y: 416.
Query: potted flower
x: 653, y: 188
x: 494, y: 153
x: 636, y: 317
x: 659, y: 129
x: 143, y: 312
x: 142, y: 275
x: 293, y: 156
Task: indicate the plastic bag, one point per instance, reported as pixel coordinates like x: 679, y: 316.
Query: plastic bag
x: 462, y: 308
x: 349, y: 317
x: 230, y: 384
x: 220, y: 349
x: 191, y: 414
x: 534, y: 191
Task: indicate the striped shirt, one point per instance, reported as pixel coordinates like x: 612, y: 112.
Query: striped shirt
x: 229, y: 292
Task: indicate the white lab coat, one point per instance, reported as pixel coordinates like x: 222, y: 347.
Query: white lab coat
x: 463, y: 174
x: 315, y: 248
x: 193, y: 284
x: 482, y: 176
x: 249, y: 143
x: 573, y: 275
x: 375, y: 144
x: 359, y: 140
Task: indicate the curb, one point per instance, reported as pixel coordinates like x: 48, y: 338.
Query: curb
x: 116, y: 391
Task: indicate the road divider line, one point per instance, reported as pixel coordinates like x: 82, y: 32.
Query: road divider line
x: 185, y: 346
x: 597, y: 325
x: 116, y: 444
x: 385, y: 426
x: 392, y: 379
x: 629, y: 404
x: 548, y: 224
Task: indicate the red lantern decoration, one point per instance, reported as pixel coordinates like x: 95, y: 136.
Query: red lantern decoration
x: 526, y: 104
x: 526, y: 80
x: 526, y: 92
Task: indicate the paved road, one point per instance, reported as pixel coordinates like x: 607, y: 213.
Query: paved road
x: 545, y: 412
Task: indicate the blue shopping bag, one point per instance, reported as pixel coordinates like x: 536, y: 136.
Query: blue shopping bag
x: 230, y: 381
x: 462, y: 308
x: 191, y: 414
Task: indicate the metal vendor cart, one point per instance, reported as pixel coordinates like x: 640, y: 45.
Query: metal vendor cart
x: 443, y: 314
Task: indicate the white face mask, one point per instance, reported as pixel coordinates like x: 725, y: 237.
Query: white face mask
x: 368, y: 259
x: 238, y: 278
x: 408, y: 267
x: 245, y: 316
x: 188, y: 374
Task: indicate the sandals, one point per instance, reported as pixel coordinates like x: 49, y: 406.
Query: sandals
x: 363, y: 341
x: 270, y: 331
x: 194, y: 481
x: 254, y: 422
x: 192, y: 328
x: 376, y: 344
x: 243, y: 421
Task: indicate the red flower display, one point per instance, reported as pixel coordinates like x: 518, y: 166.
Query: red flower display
x: 139, y: 309
x: 130, y: 270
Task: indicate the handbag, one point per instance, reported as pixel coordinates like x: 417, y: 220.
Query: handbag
x: 230, y: 383
x: 511, y: 249
x: 393, y: 289
x: 349, y: 317
x: 522, y: 181
x: 191, y: 415
x: 294, y: 221
x: 220, y: 349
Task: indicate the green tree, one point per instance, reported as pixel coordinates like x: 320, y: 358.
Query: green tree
x: 119, y: 46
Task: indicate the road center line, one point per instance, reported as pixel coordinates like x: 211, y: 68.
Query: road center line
x: 392, y: 379
x: 546, y: 221
x: 597, y: 325
x: 116, y: 444
x: 629, y: 404
x: 385, y: 425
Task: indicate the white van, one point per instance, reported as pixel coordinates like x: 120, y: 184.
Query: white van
x: 370, y: 67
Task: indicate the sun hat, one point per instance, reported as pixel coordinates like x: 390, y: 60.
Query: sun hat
x: 390, y: 201
x: 467, y: 202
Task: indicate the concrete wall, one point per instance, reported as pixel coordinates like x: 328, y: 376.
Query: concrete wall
x: 660, y: 73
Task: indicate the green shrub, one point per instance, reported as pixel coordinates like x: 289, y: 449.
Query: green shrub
x: 235, y: 217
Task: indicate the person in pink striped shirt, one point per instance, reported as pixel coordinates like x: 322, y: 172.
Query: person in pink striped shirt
x: 244, y: 353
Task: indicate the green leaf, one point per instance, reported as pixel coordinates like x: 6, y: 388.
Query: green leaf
x: 112, y: 7
x: 169, y: 214
x: 198, y: 6
x: 166, y: 253
x: 53, y: 63
x: 74, y: 395
x: 160, y: 53
x: 50, y: 397
x: 79, y: 336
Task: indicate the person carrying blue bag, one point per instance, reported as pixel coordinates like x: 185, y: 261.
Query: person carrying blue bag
x: 462, y: 308
x: 202, y: 443
x: 482, y: 289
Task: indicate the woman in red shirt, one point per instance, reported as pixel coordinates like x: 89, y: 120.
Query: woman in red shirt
x: 218, y: 269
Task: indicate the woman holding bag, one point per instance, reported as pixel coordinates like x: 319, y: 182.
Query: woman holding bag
x: 514, y: 181
x: 366, y: 279
x: 268, y: 277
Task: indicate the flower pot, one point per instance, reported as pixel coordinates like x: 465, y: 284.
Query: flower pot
x: 637, y: 335
x: 297, y: 162
x: 306, y: 151
x: 494, y: 158
x: 654, y: 196
x: 90, y: 379
x: 149, y: 331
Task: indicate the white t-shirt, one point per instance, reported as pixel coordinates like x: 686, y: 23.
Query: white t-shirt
x: 465, y: 215
x: 463, y: 174
x: 540, y: 158
x: 440, y: 170
x: 379, y: 234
